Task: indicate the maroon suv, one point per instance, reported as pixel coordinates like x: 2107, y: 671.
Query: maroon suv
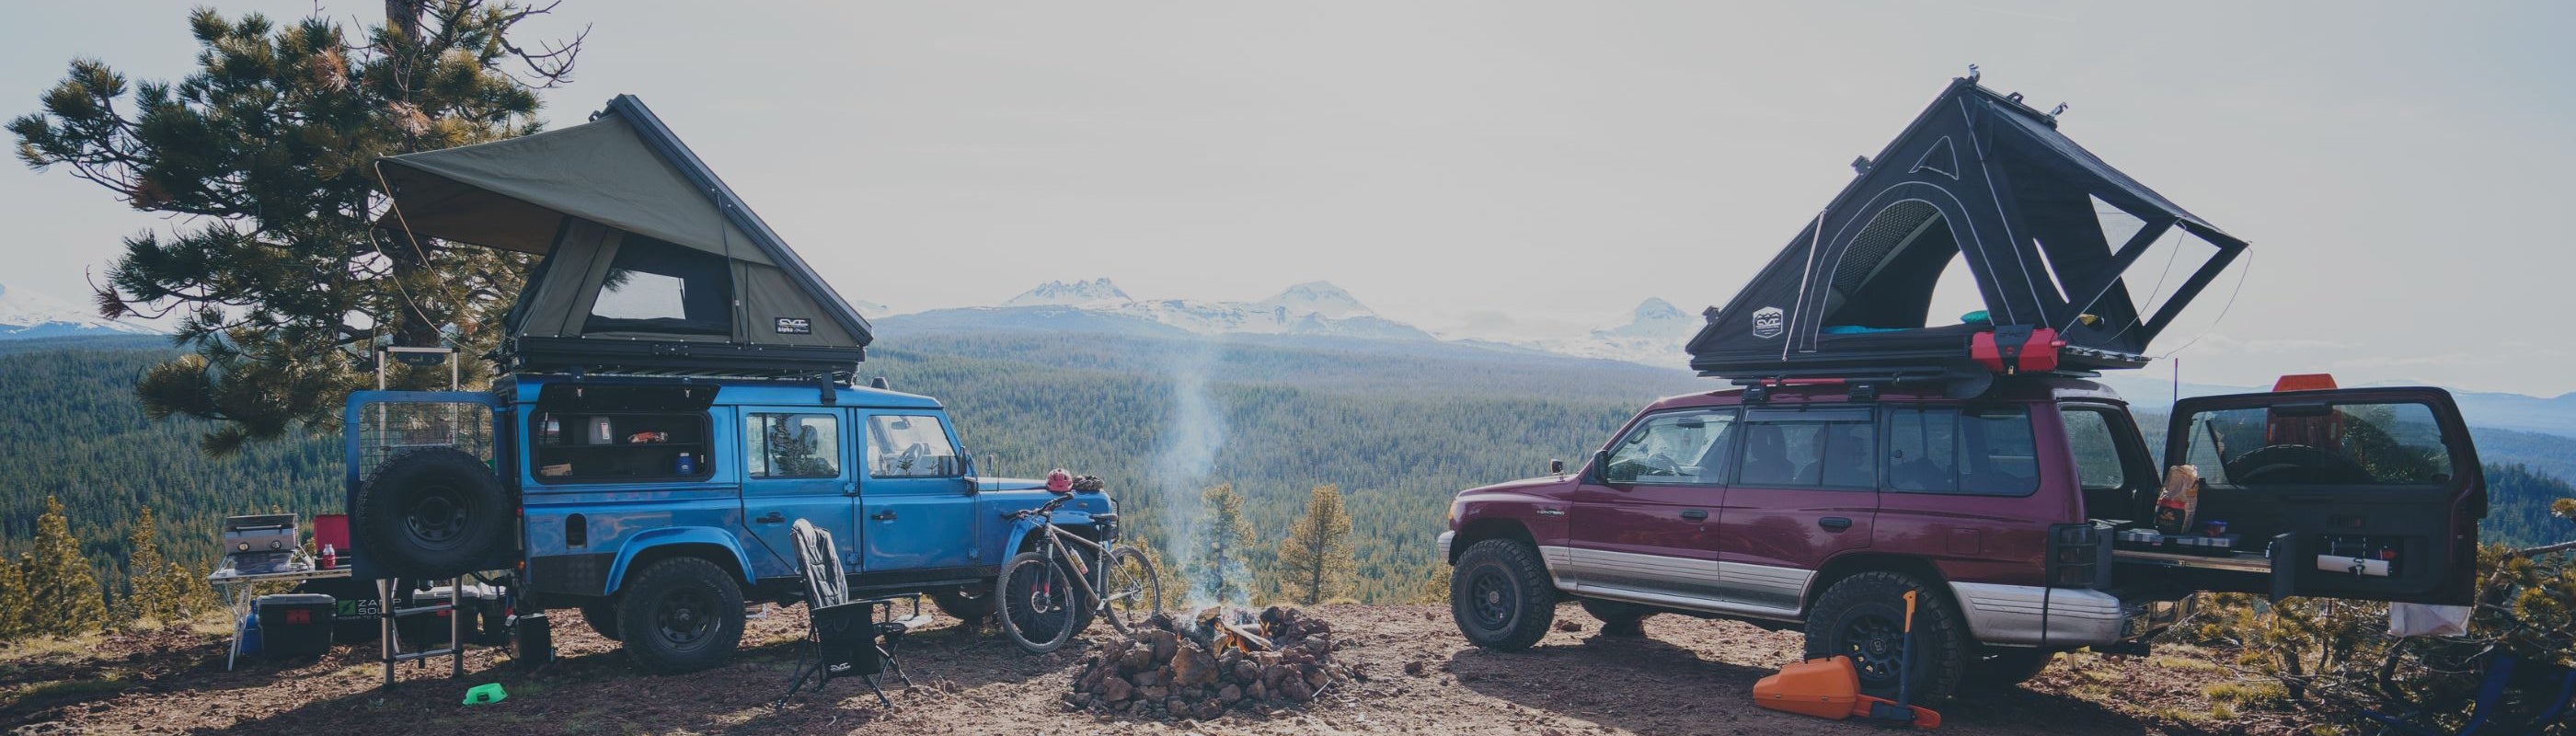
x: 2023, y: 517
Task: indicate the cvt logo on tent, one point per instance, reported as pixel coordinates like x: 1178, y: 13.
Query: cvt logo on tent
x: 1767, y: 322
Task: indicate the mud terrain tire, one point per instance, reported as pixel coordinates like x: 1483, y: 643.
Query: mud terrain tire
x: 433, y: 513
x: 1861, y: 617
x: 1501, y: 596
x: 682, y: 614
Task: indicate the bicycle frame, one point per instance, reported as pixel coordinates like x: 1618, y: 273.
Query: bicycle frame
x: 1098, y: 571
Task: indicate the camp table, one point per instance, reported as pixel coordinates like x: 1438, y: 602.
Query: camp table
x: 239, y: 589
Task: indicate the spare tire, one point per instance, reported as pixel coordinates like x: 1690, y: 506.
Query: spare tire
x: 431, y: 514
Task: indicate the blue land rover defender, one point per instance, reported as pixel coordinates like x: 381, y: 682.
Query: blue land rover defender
x: 676, y: 390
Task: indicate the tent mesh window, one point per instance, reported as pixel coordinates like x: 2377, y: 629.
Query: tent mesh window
x: 653, y: 286
x: 1885, y: 278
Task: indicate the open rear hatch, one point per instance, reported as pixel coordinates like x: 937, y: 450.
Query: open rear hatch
x: 2368, y: 494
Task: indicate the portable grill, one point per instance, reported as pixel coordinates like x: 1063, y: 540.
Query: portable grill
x: 260, y: 543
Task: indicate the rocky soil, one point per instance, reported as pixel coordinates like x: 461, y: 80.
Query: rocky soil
x: 1410, y: 673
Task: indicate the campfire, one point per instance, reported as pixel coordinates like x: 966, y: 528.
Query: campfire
x: 1203, y: 665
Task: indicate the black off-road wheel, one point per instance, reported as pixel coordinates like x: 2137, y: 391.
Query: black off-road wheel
x: 2002, y: 668
x: 1618, y: 619
x: 601, y: 615
x: 1863, y: 617
x: 682, y: 614
x: 1501, y: 596
x: 973, y: 605
x: 433, y: 513
x: 1041, y: 607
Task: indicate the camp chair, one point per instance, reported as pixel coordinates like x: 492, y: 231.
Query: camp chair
x: 847, y: 638
x: 2491, y: 692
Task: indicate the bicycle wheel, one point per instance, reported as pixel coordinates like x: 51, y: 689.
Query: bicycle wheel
x: 1133, y: 592
x: 1039, y: 600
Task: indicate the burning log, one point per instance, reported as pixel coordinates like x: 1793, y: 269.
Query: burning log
x: 1205, y: 665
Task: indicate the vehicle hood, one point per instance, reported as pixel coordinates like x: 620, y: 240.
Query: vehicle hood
x: 1009, y: 484
x: 1522, y: 486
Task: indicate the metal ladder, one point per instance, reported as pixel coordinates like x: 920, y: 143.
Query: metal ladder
x: 392, y: 646
x: 455, y: 649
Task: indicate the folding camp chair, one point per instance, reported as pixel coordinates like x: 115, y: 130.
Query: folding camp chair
x: 848, y: 638
x: 2491, y: 690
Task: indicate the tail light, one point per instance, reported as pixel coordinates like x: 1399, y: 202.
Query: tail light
x: 2079, y: 556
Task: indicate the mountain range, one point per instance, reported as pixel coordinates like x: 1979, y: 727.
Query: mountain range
x: 28, y: 315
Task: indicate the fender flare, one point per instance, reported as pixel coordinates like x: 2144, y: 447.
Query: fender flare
x: 668, y: 536
x: 1020, y: 530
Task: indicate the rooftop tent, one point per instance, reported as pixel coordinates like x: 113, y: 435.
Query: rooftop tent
x: 651, y: 263
x: 2059, y: 244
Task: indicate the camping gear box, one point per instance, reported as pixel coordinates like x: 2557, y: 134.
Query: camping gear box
x: 294, y: 624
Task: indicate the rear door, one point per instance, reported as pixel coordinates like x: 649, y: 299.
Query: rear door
x: 1806, y: 488
x: 793, y: 468
x: 2370, y: 494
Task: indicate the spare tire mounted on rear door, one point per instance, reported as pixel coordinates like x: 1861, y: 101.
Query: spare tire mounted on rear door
x: 432, y: 513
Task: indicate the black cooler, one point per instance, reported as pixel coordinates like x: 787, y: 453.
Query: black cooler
x: 294, y: 625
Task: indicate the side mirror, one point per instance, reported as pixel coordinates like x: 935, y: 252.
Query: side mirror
x: 1555, y: 467
x: 1592, y: 473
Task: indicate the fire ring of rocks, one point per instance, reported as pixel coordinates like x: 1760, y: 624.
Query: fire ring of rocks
x: 1206, y: 665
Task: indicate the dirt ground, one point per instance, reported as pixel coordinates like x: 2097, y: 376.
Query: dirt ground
x: 1688, y: 677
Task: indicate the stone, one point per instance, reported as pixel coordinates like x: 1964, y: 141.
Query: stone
x: 1154, y: 692
x: 1115, y: 689
x: 1193, y: 667
x: 1210, y: 709
x: 1137, y: 659
x: 1296, y: 690
x: 1147, y: 679
x: 1230, y: 693
x: 1315, y: 676
x: 1166, y: 644
x: 1415, y: 668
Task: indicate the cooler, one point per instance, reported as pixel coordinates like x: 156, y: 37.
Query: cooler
x: 294, y: 624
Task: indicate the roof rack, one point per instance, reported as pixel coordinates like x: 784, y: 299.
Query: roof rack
x: 661, y: 358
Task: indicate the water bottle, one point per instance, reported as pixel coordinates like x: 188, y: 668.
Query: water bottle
x: 330, y: 557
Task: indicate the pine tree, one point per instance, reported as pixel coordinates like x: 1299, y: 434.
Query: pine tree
x: 1431, y: 586
x: 63, y: 597
x: 1315, y: 559
x: 263, y: 158
x: 1219, y: 573
x: 13, y: 597
x: 150, y: 594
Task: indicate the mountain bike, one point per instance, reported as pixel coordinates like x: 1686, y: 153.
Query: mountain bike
x: 1055, y: 589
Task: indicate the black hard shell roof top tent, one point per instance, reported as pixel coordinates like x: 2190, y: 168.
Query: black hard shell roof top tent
x: 652, y: 264
x: 1982, y: 179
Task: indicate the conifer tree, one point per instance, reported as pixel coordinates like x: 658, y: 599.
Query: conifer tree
x: 1219, y: 572
x: 1315, y: 558
x: 150, y: 593
x: 13, y: 597
x: 264, y: 159
x: 63, y: 597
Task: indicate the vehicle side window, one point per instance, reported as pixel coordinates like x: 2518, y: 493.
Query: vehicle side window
x: 911, y: 446
x: 573, y: 447
x: 2098, y: 464
x: 1828, y: 449
x: 791, y: 445
x: 1673, y: 448
x: 1973, y: 451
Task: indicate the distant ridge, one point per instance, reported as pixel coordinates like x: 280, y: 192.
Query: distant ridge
x: 28, y: 315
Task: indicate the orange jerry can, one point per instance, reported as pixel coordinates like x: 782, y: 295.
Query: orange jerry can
x: 1824, y: 688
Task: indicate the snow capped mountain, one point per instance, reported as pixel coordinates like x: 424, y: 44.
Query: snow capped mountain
x: 26, y: 314
x: 1313, y: 308
x: 869, y: 309
x: 1318, y: 297
x: 1096, y: 292
x: 1654, y: 335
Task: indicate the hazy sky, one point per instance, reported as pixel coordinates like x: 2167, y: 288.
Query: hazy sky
x: 1485, y: 166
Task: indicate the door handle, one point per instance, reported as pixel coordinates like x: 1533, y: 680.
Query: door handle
x: 773, y: 518
x: 1695, y: 514
x: 1834, y: 523
x: 886, y: 515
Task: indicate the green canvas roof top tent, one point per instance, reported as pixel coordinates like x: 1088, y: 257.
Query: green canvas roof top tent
x: 651, y: 263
